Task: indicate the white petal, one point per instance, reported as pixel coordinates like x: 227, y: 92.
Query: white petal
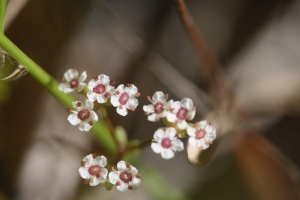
x: 114, y: 100
x: 70, y: 74
x: 92, y: 83
x: 123, y: 187
x: 92, y: 96
x: 85, y: 127
x: 73, y: 119
x: 93, y: 117
x: 202, y: 143
x: 167, y: 154
x: 193, y: 142
x: 94, y: 181
x: 121, y: 165
x: 120, y: 88
x: 103, y: 173
x: 163, y: 114
x: 74, y: 103
x: 89, y: 105
x: 123, y: 111
x: 68, y: 90
x: 110, y: 89
x: 177, y: 145
x: 191, y: 114
x: 210, y: 136
x: 152, y: 117
x: 101, y: 98
x: 149, y: 108
x: 187, y: 103
x: 84, y: 172
x: 182, y: 124
x: 135, y: 183
x: 82, y: 77
x: 132, y: 170
x: 209, y: 128
x: 132, y: 90
x: 103, y: 79
x: 132, y: 103
x: 174, y: 105
x: 202, y: 124
x: 89, y: 160
x: 158, y: 97
x: 101, y: 161
x: 170, y: 132
x: 159, y: 135
x: 63, y: 86
x: 113, y: 177
x: 156, y: 147
x: 171, y: 117
x: 80, y: 87
x: 191, y: 131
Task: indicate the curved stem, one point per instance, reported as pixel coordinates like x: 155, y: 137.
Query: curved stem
x: 100, y: 130
x: 3, y: 4
x: 141, y: 145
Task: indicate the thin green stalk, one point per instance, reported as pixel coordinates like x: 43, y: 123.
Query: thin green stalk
x: 3, y: 4
x: 100, y: 130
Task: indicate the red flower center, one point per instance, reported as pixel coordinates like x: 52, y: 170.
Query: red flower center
x: 125, y: 177
x: 74, y: 83
x: 166, y: 143
x: 200, y: 134
x: 158, y: 108
x: 182, y: 113
x: 99, y: 89
x: 94, y: 170
x: 84, y: 114
x: 123, y: 98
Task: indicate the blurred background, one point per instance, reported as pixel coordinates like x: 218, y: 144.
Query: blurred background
x: 145, y: 43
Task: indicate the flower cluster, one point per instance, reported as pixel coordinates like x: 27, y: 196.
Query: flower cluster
x: 100, y: 90
x: 175, y: 115
x: 93, y: 171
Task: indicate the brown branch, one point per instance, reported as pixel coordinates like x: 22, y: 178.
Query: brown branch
x: 218, y: 87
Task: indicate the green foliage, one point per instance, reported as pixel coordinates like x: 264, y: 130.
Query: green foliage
x: 158, y: 187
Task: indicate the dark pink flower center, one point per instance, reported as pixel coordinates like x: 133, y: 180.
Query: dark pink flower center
x: 181, y: 114
x: 99, y: 89
x: 84, y: 114
x: 166, y: 143
x: 200, y: 134
x: 94, y: 170
x: 74, y: 83
x: 123, y: 98
x: 125, y: 177
x: 158, y: 108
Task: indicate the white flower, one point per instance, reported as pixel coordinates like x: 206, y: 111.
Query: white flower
x: 100, y: 89
x: 83, y: 115
x: 181, y: 111
x: 124, y: 98
x: 202, y: 135
x: 166, y: 143
x: 126, y: 178
x: 93, y: 170
x: 72, y: 81
x: 159, y: 107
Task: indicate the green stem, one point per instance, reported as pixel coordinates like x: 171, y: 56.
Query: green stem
x: 100, y: 130
x: 3, y: 4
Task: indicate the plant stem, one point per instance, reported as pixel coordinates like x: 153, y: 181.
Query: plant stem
x: 141, y: 145
x: 100, y: 130
x: 211, y: 67
x: 3, y: 4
